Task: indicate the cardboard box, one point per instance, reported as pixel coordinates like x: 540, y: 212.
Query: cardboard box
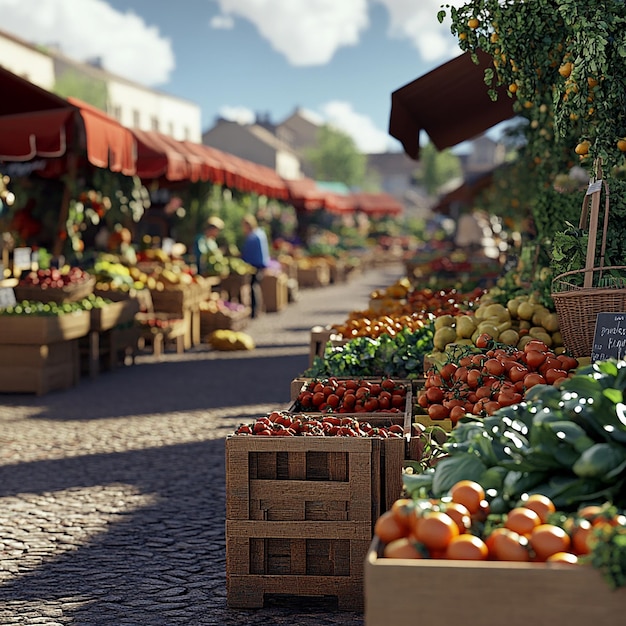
x: 486, y: 593
x: 300, y: 513
x: 43, y: 329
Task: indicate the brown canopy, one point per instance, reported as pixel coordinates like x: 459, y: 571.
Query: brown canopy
x: 450, y: 104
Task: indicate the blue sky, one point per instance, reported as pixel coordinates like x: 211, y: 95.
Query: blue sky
x: 338, y: 59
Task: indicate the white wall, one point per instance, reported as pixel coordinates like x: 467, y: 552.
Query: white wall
x: 34, y: 66
x: 178, y: 118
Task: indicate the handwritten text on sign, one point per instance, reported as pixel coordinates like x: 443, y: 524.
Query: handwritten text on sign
x: 609, y: 340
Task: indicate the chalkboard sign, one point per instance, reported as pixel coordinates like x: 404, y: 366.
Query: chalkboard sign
x: 609, y: 340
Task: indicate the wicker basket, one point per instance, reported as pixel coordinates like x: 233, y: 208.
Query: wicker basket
x: 68, y: 293
x: 578, y: 307
x: 602, y: 288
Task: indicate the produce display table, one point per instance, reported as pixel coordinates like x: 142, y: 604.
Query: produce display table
x: 183, y: 301
x: 102, y: 346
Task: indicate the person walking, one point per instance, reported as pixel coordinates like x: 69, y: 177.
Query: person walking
x: 255, y: 252
x: 205, y: 243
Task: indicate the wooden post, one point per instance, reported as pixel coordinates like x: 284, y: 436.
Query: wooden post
x: 594, y: 190
x: 68, y: 188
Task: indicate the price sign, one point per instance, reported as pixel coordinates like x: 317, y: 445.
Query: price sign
x: 22, y: 258
x: 7, y: 297
x: 609, y: 340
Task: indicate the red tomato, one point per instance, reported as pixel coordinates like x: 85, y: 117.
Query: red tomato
x: 318, y: 398
x: 534, y: 359
x: 447, y: 371
x: 474, y: 378
x: 553, y: 375
x: 438, y: 412
x: 371, y: 405
x: 532, y: 379
x: 536, y: 344
x: 434, y: 395
x: 494, y: 367
x: 517, y: 372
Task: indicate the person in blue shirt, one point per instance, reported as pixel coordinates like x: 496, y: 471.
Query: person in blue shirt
x: 255, y: 252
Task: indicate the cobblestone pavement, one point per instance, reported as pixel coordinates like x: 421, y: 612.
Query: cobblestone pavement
x: 112, y: 501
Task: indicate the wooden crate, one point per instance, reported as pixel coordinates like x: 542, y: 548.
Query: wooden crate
x: 297, y: 384
x: 319, y: 337
x: 315, y: 276
x: 113, y: 314
x: 228, y: 320
x: 486, y: 593
x: 275, y: 292
x: 300, y: 513
x: 43, y: 329
x: 30, y: 368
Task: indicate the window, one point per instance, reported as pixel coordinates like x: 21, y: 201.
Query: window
x: 136, y: 119
x: 154, y: 123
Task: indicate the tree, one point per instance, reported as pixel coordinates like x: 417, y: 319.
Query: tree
x: 77, y: 85
x: 437, y: 168
x: 336, y: 158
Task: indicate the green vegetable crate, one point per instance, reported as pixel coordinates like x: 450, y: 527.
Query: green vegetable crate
x: 488, y: 593
x: 300, y: 513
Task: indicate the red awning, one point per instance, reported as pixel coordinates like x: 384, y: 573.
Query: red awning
x: 25, y: 136
x: 450, y: 104
x: 304, y: 194
x: 108, y: 143
x: 155, y: 159
x: 36, y: 123
x: 377, y: 203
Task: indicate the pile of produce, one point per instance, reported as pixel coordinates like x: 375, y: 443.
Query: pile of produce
x: 522, y: 319
x: 482, y: 380
x: 460, y: 526
x: 227, y: 340
x: 401, y: 306
x: 36, y: 307
x: 54, y: 278
x: 286, y: 424
x: 567, y: 442
x: 352, y: 396
x: 400, y: 355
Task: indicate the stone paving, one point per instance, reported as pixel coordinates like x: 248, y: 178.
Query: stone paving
x: 112, y: 500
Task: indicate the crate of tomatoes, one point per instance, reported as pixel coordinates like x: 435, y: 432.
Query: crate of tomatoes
x: 303, y: 491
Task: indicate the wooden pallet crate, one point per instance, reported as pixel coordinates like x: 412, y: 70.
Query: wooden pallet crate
x: 300, y: 513
x: 488, y: 593
x: 39, y: 369
x: 44, y: 329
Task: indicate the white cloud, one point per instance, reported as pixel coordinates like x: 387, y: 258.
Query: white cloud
x: 240, y: 114
x: 92, y: 28
x: 222, y: 22
x: 306, y: 32
x: 417, y: 21
x: 366, y: 136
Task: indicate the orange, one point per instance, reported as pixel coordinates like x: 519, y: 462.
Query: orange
x: 522, y: 520
x: 435, y: 530
x: 548, y: 539
x: 468, y: 493
x: 467, y: 547
x: 403, y: 548
x: 540, y: 504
